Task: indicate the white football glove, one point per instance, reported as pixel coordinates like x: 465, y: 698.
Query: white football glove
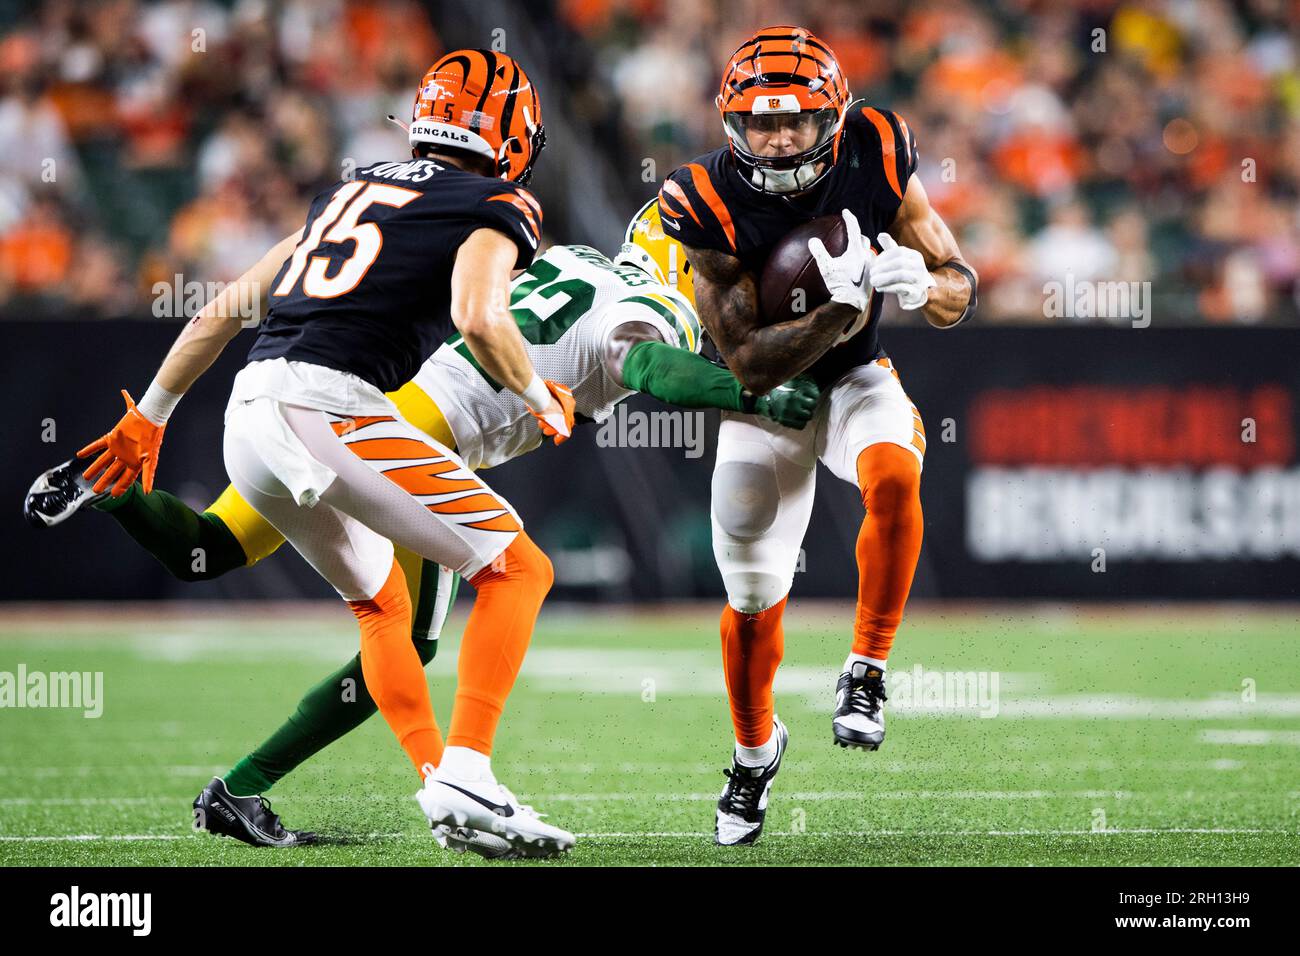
x: 846, y: 275
x: 901, y: 270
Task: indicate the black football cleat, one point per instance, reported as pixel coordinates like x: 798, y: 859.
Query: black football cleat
x: 248, y: 819
x: 58, y: 494
x: 859, y: 719
x: 743, y: 804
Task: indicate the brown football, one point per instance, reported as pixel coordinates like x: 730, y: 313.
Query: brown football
x: 791, y: 285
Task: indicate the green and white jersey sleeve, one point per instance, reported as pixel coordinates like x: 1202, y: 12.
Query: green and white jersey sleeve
x: 579, y: 313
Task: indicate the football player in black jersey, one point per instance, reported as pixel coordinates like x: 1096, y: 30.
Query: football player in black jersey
x: 799, y: 149
x: 387, y: 265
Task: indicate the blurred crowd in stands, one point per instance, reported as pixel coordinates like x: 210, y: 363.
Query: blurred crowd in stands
x: 1136, y: 141
x: 140, y: 141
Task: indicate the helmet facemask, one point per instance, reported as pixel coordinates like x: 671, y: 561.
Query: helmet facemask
x: 783, y: 150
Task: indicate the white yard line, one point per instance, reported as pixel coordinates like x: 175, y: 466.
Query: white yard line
x: 1252, y: 738
x: 670, y: 835
x: 1046, y: 765
x: 797, y: 796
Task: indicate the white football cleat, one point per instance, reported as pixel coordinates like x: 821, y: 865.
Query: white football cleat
x: 467, y: 840
x: 486, y: 806
x: 859, y: 719
x: 743, y: 804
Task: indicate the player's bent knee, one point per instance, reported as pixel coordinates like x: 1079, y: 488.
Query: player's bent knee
x: 889, y: 477
x: 745, y: 498
x: 529, y: 562
x: 750, y: 592
x: 218, y: 552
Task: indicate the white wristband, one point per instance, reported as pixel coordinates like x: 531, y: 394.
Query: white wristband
x: 537, y: 396
x: 157, y: 404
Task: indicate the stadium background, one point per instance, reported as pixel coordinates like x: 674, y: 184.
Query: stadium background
x: 145, y: 142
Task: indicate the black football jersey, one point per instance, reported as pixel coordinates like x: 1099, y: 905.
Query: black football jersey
x: 707, y: 203
x: 368, y: 288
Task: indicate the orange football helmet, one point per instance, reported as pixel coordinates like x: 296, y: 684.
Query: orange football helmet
x: 782, y: 90
x: 481, y: 102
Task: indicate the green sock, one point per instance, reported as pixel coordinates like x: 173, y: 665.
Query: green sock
x: 192, y: 546
x: 336, y: 706
x: 340, y: 703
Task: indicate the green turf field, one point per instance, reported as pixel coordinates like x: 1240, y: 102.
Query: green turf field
x: 1121, y: 737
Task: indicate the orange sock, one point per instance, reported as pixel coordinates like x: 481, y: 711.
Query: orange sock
x: 393, y: 671
x: 888, y: 544
x: 752, y: 647
x: 510, y: 593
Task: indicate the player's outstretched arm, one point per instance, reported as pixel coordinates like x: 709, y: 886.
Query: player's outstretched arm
x: 219, y: 321
x: 678, y: 377
x: 480, y: 309
x: 762, y: 357
x: 938, y: 280
x: 130, y: 449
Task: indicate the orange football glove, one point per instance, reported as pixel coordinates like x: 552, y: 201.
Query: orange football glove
x: 551, y: 424
x: 129, y: 450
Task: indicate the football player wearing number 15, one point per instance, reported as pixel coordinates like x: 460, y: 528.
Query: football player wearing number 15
x: 388, y: 263
x: 604, y: 329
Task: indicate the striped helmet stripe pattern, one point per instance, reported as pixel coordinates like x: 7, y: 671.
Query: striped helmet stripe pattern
x: 783, y: 59
x: 489, y: 96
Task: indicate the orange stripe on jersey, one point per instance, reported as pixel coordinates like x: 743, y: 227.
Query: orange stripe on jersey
x: 886, y: 146
x: 532, y: 200
x: 505, y: 522
x: 703, y: 186
x: 679, y: 196
x: 523, y: 207
x: 907, y: 133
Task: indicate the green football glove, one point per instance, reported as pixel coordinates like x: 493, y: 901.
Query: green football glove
x: 792, y: 404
